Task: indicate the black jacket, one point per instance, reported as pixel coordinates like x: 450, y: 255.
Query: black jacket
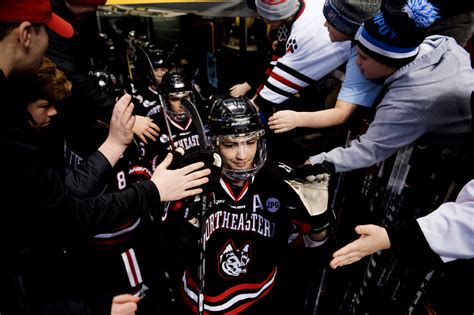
x: 71, y: 56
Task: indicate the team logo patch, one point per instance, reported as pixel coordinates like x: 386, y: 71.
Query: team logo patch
x: 233, y: 261
x: 164, y: 138
x: 272, y: 205
x: 291, y: 45
x: 282, y: 33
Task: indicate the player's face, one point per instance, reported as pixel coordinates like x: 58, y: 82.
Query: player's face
x: 371, y: 68
x: 237, y: 152
x: 159, y: 73
x: 174, y: 100
x: 41, y: 111
x: 334, y: 34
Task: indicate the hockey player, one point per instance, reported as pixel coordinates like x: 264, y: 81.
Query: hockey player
x: 246, y: 221
x: 149, y: 96
x: 177, y: 128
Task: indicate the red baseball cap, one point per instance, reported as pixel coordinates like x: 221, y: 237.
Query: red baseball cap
x: 36, y: 12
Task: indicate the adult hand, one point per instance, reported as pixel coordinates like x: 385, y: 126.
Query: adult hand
x: 121, y: 123
x: 372, y: 239
x: 144, y: 128
x: 239, y: 89
x: 283, y: 121
x: 124, y: 304
x: 180, y: 183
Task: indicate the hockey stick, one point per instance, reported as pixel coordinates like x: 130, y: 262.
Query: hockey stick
x: 204, y: 145
x: 160, y: 97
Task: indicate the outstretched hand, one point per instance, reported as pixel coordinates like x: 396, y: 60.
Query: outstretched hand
x: 283, y: 121
x: 144, y: 128
x: 239, y: 89
x: 124, y: 304
x: 180, y: 183
x: 121, y: 123
x: 372, y: 239
x: 120, y: 130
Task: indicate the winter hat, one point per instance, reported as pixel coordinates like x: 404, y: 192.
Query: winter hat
x: 274, y: 10
x: 393, y: 37
x: 348, y: 15
x: 34, y: 11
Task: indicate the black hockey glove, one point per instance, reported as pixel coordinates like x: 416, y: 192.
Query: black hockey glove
x: 211, y: 160
x: 301, y: 172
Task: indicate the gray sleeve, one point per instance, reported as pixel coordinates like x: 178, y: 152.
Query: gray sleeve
x: 393, y: 128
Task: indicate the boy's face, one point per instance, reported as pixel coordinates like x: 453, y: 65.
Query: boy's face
x: 238, y: 152
x: 371, y: 68
x: 174, y: 101
x: 335, y: 35
x: 41, y: 111
x: 159, y: 73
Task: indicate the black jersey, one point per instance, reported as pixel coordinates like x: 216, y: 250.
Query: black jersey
x: 149, y: 103
x: 246, y: 232
x: 184, y: 135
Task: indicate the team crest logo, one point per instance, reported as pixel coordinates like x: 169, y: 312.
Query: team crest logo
x: 233, y: 262
x: 164, y: 138
x: 282, y: 33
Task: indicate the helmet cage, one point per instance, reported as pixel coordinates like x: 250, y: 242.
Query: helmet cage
x: 178, y: 116
x: 260, y: 155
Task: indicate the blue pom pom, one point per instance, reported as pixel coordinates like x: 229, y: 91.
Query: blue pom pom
x: 421, y: 12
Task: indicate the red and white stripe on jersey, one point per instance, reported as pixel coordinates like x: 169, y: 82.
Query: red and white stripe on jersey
x: 122, y: 234
x: 229, y: 191
x: 183, y: 126
x: 310, y: 55
x: 132, y: 267
x: 233, y: 300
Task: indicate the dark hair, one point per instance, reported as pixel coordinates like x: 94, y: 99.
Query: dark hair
x: 48, y: 83
x: 7, y: 27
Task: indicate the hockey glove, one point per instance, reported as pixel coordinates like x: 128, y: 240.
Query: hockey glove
x: 302, y: 172
x: 313, y: 192
x: 211, y: 159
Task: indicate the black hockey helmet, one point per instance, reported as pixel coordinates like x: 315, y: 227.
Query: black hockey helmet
x: 236, y: 119
x: 175, y: 85
x: 232, y: 116
x: 175, y: 82
x: 159, y: 59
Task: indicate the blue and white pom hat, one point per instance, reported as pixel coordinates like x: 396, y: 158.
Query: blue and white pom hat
x: 393, y: 36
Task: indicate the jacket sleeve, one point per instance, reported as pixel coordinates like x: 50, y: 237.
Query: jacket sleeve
x: 88, y: 216
x: 88, y: 179
x: 444, y: 235
x: 393, y: 128
x: 449, y: 230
